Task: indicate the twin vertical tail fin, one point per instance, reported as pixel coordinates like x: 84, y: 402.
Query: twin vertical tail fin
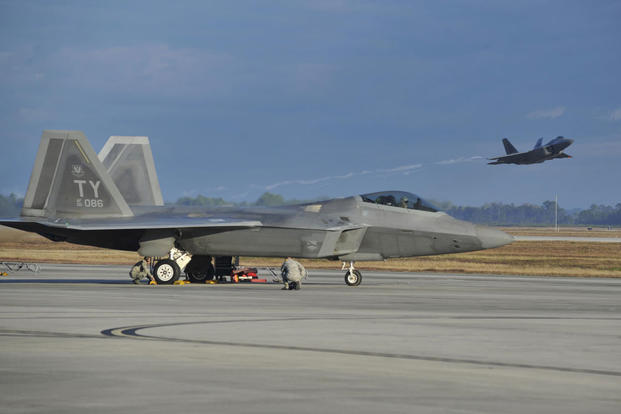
x: 68, y: 180
x: 509, y: 148
x: 129, y: 162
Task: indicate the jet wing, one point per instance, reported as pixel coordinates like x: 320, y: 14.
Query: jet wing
x: 152, y: 236
x: 156, y: 222
x: 508, y: 159
x: 138, y: 223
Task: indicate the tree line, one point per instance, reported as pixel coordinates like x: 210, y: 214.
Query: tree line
x: 266, y: 199
x: 10, y: 205
x: 490, y: 213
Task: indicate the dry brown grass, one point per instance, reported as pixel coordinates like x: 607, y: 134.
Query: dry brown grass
x: 20, y: 246
x: 520, y: 258
x: 563, y: 231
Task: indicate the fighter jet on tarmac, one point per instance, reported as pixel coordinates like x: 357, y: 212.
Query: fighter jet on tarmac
x: 539, y: 154
x: 114, y: 201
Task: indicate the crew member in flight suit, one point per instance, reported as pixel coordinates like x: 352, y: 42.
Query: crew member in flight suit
x: 292, y: 274
x: 141, y: 270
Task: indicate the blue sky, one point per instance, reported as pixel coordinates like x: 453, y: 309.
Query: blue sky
x: 324, y: 98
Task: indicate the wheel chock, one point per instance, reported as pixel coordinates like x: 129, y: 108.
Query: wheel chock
x: 153, y: 282
x: 4, y: 274
x: 181, y: 282
x: 211, y: 282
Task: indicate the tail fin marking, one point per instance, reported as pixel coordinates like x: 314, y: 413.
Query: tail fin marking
x: 68, y: 180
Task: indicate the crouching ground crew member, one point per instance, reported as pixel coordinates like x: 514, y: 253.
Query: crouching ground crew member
x: 292, y: 274
x: 141, y: 270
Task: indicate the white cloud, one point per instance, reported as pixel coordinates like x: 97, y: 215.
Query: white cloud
x: 348, y: 175
x: 402, y: 168
x: 411, y: 171
x: 165, y: 70
x: 154, y: 68
x: 20, y: 67
x: 317, y: 180
x: 547, y: 113
x: 298, y: 182
x: 615, y: 115
x: 459, y: 160
x: 34, y: 114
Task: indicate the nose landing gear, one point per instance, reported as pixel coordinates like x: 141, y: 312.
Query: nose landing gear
x: 352, y: 276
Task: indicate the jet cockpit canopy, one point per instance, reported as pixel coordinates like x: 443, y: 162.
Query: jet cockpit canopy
x: 401, y: 199
x: 555, y: 140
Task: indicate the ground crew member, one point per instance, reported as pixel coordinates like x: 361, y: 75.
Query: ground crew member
x: 141, y: 270
x: 404, y: 202
x: 292, y: 274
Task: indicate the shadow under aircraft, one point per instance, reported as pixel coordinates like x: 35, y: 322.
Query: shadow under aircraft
x: 113, y: 200
x: 540, y: 153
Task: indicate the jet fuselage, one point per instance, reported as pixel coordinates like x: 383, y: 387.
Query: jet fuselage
x: 346, y: 229
x: 553, y: 149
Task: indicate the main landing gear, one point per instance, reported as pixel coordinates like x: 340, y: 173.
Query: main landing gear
x: 352, y: 276
x: 198, y: 268
x: 167, y: 271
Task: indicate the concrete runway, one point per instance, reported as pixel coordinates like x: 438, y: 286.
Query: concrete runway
x: 77, y: 339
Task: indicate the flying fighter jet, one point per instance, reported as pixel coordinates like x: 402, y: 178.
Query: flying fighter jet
x: 114, y: 201
x: 540, y: 153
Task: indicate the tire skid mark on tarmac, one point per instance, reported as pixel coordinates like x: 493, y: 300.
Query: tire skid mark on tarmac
x: 132, y: 333
x: 45, y: 334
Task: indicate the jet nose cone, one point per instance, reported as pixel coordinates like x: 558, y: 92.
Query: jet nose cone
x: 491, y: 238
x: 569, y: 141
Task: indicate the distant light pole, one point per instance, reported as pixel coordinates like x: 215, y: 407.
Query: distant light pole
x: 556, y: 211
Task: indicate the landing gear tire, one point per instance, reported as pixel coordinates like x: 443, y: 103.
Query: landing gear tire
x: 353, y: 278
x: 166, y: 272
x: 200, y: 269
x: 201, y: 276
